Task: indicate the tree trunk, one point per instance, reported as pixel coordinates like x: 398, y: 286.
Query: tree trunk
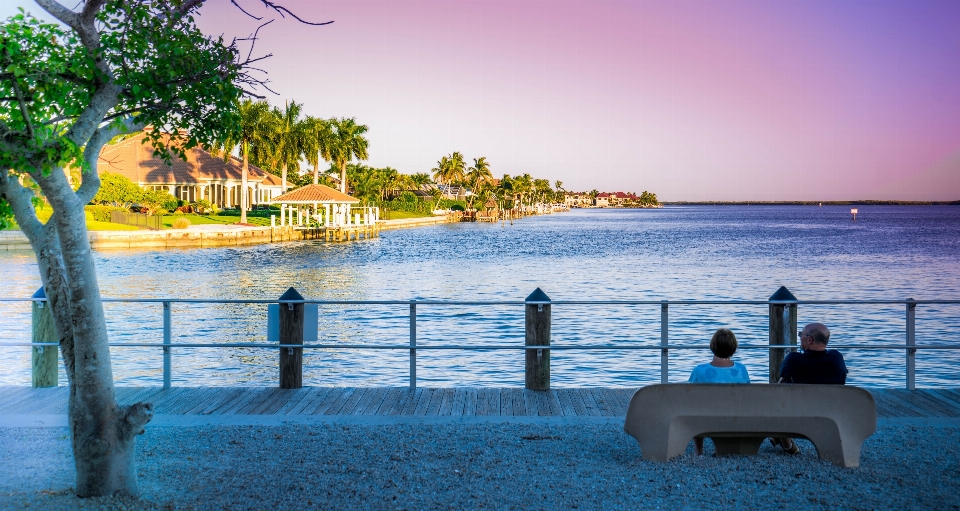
x: 284, y: 178
x: 243, y: 184
x: 343, y: 178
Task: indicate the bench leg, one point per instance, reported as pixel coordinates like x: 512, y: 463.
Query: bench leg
x: 733, y: 446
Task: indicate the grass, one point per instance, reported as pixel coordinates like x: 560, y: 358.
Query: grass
x: 44, y: 214
x: 400, y: 215
x: 212, y: 219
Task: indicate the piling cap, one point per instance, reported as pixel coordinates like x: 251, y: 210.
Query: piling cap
x: 783, y: 295
x: 537, y: 296
x: 40, y: 293
x: 291, y: 294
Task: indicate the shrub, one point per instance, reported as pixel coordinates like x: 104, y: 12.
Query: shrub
x: 101, y: 213
x: 203, y: 207
x: 457, y: 207
x: 181, y: 223
x: 117, y: 190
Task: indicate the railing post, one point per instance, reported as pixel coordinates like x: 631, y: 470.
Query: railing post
x: 291, y: 332
x: 783, y: 328
x: 44, y: 358
x: 537, y: 333
x: 664, y: 342
x: 413, y: 344
x: 166, y: 342
x: 911, y: 341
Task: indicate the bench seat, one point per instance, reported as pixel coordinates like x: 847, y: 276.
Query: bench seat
x: 836, y: 418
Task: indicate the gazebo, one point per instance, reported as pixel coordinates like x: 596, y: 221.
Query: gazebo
x: 326, y: 206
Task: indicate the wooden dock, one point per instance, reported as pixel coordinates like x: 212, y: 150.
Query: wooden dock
x: 438, y: 402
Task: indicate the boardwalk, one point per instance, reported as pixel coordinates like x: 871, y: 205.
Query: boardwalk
x: 425, y: 402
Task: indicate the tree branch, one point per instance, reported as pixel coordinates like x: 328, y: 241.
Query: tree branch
x: 68, y: 17
x: 91, y: 154
x: 19, y: 197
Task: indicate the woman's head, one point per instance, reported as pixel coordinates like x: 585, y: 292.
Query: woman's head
x: 724, y: 343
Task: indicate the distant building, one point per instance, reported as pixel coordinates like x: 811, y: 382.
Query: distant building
x: 203, y: 176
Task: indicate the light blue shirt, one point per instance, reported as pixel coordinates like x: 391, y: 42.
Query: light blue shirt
x: 706, y: 373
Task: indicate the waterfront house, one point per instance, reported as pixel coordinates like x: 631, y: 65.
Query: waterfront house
x: 203, y: 176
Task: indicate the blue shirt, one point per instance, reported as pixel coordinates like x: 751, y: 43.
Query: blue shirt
x: 706, y: 373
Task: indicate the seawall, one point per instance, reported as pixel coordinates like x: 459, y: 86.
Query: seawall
x: 207, y: 235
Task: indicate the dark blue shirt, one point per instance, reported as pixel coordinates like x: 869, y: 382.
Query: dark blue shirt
x: 810, y: 366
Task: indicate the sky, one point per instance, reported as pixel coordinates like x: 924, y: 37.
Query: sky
x: 694, y: 100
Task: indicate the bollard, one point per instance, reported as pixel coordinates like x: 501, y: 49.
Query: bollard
x: 44, y: 365
x: 537, y: 333
x: 783, y: 328
x: 291, y: 332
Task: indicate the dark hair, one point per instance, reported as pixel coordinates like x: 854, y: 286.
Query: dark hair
x: 724, y: 343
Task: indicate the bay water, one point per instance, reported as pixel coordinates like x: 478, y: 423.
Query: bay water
x: 674, y: 253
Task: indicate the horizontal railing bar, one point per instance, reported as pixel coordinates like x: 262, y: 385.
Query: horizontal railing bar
x: 503, y: 303
x: 497, y: 346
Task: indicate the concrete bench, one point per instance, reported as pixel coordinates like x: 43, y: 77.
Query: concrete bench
x: 836, y: 418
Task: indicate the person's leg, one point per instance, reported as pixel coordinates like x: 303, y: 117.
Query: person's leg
x: 789, y: 446
x: 698, y: 445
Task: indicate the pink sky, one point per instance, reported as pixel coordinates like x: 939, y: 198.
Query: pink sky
x: 692, y: 100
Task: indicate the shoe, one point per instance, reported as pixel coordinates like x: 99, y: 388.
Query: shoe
x: 775, y: 442
x: 792, y: 450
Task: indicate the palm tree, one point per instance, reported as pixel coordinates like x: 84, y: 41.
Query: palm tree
x: 457, y: 168
x: 479, y: 175
x: 289, y: 139
x: 441, y: 171
x: 347, y: 143
x: 317, y: 143
x: 255, y: 130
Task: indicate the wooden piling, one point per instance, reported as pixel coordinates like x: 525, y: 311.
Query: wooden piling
x: 537, y: 333
x: 783, y: 328
x: 44, y: 363
x: 291, y: 332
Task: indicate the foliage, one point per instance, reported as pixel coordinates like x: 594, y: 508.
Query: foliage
x: 101, y: 213
x: 203, y: 206
x: 181, y: 223
x: 117, y: 190
x: 157, y: 202
x: 346, y: 144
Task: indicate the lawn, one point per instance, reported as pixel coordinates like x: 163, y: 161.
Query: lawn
x: 92, y: 225
x: 400, y: 215
x: 212, y: 219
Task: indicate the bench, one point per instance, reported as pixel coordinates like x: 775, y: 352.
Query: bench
x: 836, y: 418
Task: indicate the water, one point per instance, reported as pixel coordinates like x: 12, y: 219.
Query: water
x: 719, y: 252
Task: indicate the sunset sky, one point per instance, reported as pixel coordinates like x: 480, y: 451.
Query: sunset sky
x: 692, y: 100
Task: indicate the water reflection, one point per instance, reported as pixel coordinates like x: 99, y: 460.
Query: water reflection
x: 674, y: 253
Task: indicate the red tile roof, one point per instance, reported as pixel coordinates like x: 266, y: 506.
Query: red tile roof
x: 134, y: 160
x: 314, y: 193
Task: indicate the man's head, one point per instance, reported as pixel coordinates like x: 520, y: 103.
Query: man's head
x: 814, y: 337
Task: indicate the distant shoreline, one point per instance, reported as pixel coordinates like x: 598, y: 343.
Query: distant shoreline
x: 814, y: 203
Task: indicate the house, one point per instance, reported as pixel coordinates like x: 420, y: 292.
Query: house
x: 615, y: 199
x: 203, y: 176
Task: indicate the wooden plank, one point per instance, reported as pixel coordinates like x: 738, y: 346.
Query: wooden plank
x: 920, y: 402
x: 410, y: 403
x: 912, y: 409
x: 436, y: 402
x: 943, y: 406
x: 361, y: 404
x: 164, y: 397
x: 372, y: 400
x: 951, y: 399
x: 300, y: 396
x: 309, y: 404
x: 199, y: 400
x: 577, y: 400
x: 470, y: 401
x: 530, y: 403
x: 890, y: 406
x: 589, y: 404
x: 446, y: 405
x: 617, y: 406
x: 349, y: 398
x: 494, y: 402
x: 56, y: 405
x: 184, y: 399
x: 277, y: 401
x: 884, y: 409
x: 389, y: 401
x: 10, y: 394
x: 39, y: 398
x: 143, y: 395
x: 240, y: 401
x: 519, y: 402
x: 459, y: 398
x: 424, y: 403
x: 566, y: 404
x: 482, y: 401
x: 606, y: 407
x: 952, y: 393
x: 257, y: 399
x: 336, y: 397
x: 21, y: 399
x: 506, y: 402
x: 219, y: 400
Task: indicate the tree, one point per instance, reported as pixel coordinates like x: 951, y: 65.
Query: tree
x: 442, y: 169
x: 420, y: 178
x: 479, y: 175
x: 65, y: 91
x: 288, y: 141
x: 348, y: 143
x: 256, y: 129
x: 317, y: 143
x: 117, y: 190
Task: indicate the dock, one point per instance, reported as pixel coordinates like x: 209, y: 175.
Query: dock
x: 893, y: 405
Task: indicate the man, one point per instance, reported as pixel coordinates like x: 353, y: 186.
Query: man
x: 815, y: 364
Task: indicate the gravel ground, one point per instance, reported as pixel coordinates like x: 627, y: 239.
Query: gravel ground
x: 472, y: 466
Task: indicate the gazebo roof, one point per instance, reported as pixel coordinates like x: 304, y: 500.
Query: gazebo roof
x: 311, y: 194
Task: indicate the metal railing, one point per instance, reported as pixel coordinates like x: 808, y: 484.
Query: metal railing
x: 152, y: 222
x: 910, y: 346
